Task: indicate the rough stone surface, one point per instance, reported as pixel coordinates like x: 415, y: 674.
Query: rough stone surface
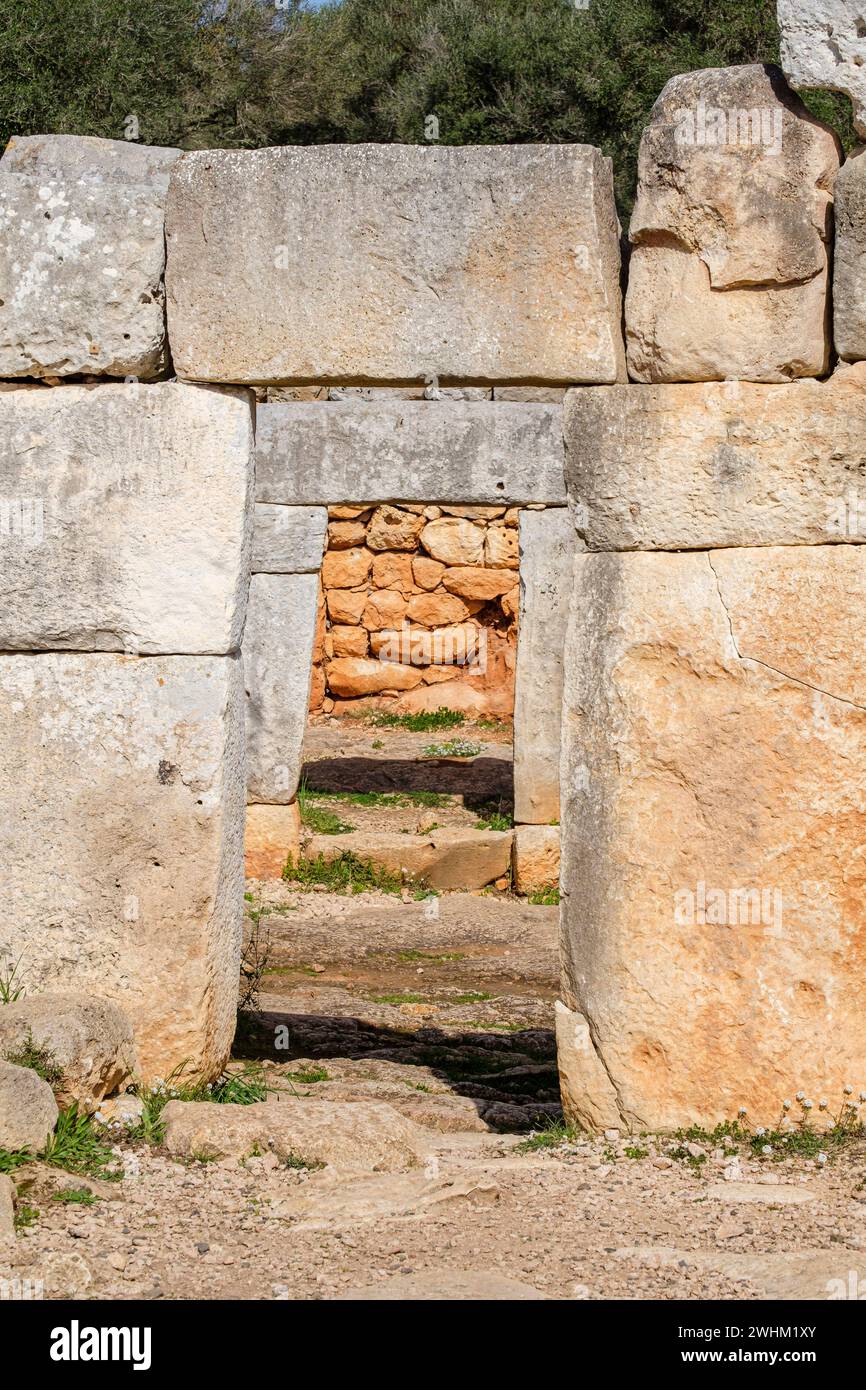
x: 443, y: 859
x: 588, y: 1098
x: 28, y: 1110
x: 288, y: 540
x: 452, y: 540
x: 535, y: 858
x: 357, y: 1136
x: 125, y: 520
x: 272, y: 836
x: 823, y: 44
x: 849, y: 261
x: 412, y: 451
x: 7, y: 1207
x: 698, y: 465
x: 547, y: 547
x: 349, y: 676
x: 278, y: 656
x: 394, y: 263
x: 729, y: 270
x: 714, y: 774
x: 121, y: 825
x: 446, y: 1286
x: 89, y: 1039
x: 82, y: 256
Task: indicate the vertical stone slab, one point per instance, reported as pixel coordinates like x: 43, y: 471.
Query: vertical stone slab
x: 548, y: 544
x: 714, y: 787
x: 849, y: 265
x: 121, y: 841
x: 278, y: 661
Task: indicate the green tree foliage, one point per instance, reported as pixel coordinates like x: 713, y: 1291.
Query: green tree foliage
x: 248, y: 72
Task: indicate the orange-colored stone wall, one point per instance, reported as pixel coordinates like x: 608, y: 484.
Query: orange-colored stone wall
x: 418, y: 609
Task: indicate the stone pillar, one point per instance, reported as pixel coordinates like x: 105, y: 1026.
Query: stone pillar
x: 714, y: 761
x: 125, y: 532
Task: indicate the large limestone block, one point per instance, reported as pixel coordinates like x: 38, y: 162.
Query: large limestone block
x: 28, y: 1110
x: 121, y: 840
x: 823, y: 45
x: 278, y: 662
x: 703, y: 464
x: 729, y: 272
x: 288, y: 540
x: 82, y: 256
x: 535, y: 858
x: 849, y: 264
x: 394, y: 262
x: 140, y: 538
x: 547, y: 548
x: 714, y: 779
x: 273, y: 836
x: 311, y: 453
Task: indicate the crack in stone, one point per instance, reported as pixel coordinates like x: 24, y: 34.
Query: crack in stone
x: 756, y: 660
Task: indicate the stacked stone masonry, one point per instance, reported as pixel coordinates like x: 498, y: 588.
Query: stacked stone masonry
x: 438, y: 385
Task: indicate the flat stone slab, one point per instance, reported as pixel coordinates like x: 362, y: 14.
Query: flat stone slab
x: 394, y: 263
x: 813, y: 1275
x: 444, y: 859
x: 82, y: 255
x: 125, y: 520
x: 288, y: 540
x: 121, y: 839
x: 693, y: 466
x: 477, y: 452
x: 278, y: 662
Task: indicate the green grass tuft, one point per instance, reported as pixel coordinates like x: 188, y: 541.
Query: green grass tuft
x: 553, y: 1134
x: 544, y: 897
x: 425, y: 722
x: 76, y: 1196
x: 345, y: 873
x: 38, y: 1059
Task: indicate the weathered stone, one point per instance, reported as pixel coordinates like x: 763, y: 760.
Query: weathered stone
x: 454, y: 541
x: 346, y: 605
x: 729, y: 268
x: 436, y: 610
x: 392, y: 529
x: 699, y: 465
x: 384, y: 608
x: 125, y: 518
x: 349, y: 676
x: 392, y: 571
x: 89, y: 1039
x: 445, y: 1286
x: 28, y: 1110
x: 474, y: 513
x: 416, y: 452
x: 420, y: 646
x: 849, y: 261
x: 278, y: 656
x: 288, y: 540
x: 82, y: 256
x: 470, y: 581
x: 444, y: 859
x: 535, y: 858
x: 126, y: 1110
x: 547, y: 548
x: 356, y: 1136
x: 7, y: 1207
x: 121, y: 824
x: 272, y: 836
x: 713, y: 775
x: 349, y: 641
x: 823, y: 45
x: 501, y: 548
x: 503, y: 264
x: 588, y: 1098
x: 344, y: 569
x: 426, y: 572
x: 552, y: 395
x: 344, y: 534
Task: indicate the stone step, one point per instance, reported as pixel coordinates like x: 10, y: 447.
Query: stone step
x: 443, y: 859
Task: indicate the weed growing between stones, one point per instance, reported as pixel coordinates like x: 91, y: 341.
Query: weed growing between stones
x: 790, y: 1136
x: 554, y: 1133
x: 345, y: 873
x: 10, y: 990
x: 76, y: 1196
x: 492, y: 817
x: 77, y: 1146
x: 38, y: 1059
x: 544, y: 897
x: 435, y: 800
x: 425, y: 722
x: 233, y: 1088
x: 454, y: 748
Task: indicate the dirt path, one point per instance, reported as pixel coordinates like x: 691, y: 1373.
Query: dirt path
x: 488, y: 1213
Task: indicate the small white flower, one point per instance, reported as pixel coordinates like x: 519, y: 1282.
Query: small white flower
x: 807, y: 1105
x: 786, y: 1105
x: 822, y: 1104
x: 848, y: 1090
x: 862, y: 1096
x: 801, y: 1095
x: 822, y: 1159
x: 742, y: 1110
x: 760, y: 1131
x: 767, y: 1149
